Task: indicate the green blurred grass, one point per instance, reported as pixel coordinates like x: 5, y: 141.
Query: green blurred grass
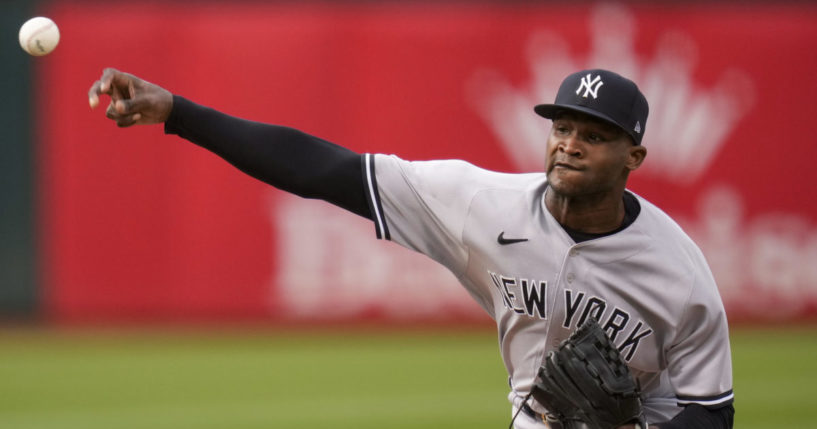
x: 775, y: 373
x: 340, y: 379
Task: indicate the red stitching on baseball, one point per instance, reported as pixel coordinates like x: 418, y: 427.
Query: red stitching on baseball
x: 37, y: 33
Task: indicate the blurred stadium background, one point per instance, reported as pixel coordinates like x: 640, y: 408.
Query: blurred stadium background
x: 144, y: 283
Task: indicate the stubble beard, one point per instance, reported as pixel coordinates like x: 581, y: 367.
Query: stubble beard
x: 577, y: 188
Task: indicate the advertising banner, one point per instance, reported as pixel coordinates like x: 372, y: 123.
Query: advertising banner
x: 137, y: 226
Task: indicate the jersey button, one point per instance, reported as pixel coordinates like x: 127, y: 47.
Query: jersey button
x: 570, y: 277
x: 574, y: 252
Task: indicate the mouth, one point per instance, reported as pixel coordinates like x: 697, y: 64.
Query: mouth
x: 565, y: 166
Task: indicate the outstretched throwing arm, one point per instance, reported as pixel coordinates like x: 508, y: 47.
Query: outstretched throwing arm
x: 283, y: 157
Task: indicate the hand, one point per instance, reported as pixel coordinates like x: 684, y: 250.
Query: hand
x: 133, y: 100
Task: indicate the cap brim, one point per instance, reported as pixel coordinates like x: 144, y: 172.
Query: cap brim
x: 551, y: 110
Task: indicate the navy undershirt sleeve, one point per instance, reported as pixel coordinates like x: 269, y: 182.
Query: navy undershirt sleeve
x: 698, y: 416
x: 283, y: 157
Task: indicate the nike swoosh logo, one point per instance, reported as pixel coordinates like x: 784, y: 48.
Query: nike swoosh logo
x: 503, y: 241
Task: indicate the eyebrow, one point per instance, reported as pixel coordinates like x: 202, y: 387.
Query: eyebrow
x: 608, y: 127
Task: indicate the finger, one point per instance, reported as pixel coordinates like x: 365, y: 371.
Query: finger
x: 128, y: 120
x: 102, y: 86
x: 120, y: 119
x: 93, y: 94
x: 111, y: 112
x: 114, y: 110
x: 132, y: 105
x: 113, y: 78
x: 125, y: 99
x: 114, y: 83
x: 108, y: 76
x: 116, y: 100
x: 131, y: 88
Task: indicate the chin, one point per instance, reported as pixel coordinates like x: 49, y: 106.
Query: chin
x: 565, y: 187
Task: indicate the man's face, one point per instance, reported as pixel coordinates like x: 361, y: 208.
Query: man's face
x: 587, y: 156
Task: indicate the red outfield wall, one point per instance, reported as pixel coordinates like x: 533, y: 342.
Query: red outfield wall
x: 137, y: 226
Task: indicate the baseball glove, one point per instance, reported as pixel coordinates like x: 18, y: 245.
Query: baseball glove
x: 586, y: 384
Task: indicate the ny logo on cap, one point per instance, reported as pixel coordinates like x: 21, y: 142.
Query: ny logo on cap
x: 591, y: 86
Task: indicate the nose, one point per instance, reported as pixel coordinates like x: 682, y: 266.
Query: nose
x: 570, y: 145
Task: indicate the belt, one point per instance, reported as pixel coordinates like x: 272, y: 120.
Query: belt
x: 551, y: 424
x: 533, y: 414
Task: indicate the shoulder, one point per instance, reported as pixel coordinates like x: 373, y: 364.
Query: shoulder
x: 671, y: 243
x: 450, y: 173
x: 662, y: 228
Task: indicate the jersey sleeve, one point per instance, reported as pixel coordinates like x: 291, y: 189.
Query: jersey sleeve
x: 422, y: 205
x: 700, y: 362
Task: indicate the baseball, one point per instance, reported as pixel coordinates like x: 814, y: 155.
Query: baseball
x: 39, y: 36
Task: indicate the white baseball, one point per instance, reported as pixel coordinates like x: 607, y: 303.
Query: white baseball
x: 39, y: 36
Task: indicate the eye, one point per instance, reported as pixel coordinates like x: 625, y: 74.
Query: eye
x: 595, y: 138
x: 561, y: 129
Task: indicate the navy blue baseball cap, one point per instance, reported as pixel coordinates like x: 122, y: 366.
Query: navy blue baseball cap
x: 604, y: 95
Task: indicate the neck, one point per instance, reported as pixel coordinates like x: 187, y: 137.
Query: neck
x: 592, y: 214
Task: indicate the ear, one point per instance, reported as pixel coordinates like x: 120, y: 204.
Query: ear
x: 635, y: 157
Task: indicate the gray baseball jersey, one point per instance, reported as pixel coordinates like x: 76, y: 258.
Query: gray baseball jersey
x: 648, y: 284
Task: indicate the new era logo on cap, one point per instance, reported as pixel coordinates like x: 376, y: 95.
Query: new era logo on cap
x: 605, y: 95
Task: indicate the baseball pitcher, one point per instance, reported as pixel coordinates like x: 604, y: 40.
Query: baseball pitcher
x: 607, y: 313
